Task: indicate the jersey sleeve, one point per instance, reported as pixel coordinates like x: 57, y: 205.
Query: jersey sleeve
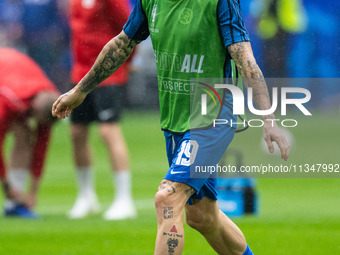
x: 40, y: 150
x: 230, y: 20
x: 137, y: 25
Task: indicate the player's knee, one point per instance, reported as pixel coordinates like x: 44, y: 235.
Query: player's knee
x: 166, y: 206
x: 162, y: 199
x: 204, y: 223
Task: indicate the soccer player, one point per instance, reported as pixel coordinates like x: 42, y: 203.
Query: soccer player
x: 26, y: 94
x: 93, y: 23
x: 191, y: 39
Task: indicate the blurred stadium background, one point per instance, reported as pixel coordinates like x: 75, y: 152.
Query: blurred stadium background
x: 292, y: 38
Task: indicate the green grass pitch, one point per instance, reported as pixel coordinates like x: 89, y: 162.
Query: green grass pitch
x: 296, y: 216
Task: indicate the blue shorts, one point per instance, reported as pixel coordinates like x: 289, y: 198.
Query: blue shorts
x: 197, y: 149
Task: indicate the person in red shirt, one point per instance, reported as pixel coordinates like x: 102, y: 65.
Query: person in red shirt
x: 93, y: 23
x: 25, y: 93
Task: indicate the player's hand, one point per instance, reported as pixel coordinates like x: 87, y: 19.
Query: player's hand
x: 64, y: 105
x: 272, y: 133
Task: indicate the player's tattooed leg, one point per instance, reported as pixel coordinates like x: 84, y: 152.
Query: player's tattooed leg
x: 189, y: 192
x: 170, y: 201
x: 168, y: 186
x: 168, y: 212
x: 172, y: 244
x: 173, y: 240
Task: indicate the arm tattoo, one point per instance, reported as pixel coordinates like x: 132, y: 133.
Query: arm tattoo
x: 251, y: 73
x: 112, y: 56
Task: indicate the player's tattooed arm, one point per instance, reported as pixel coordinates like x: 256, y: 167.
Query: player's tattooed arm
x: 243, y: 57
x: 246, y: 64
x: 112, y: 56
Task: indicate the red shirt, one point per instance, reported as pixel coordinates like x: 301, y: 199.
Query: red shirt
x: 20, y: 80
x: 94, y: 23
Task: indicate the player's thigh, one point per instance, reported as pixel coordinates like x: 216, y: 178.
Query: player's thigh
x: 202, y: 207
x: 203, y: 213
x: 108, y: 103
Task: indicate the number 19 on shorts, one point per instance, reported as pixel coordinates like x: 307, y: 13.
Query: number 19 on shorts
x: 188, y: 153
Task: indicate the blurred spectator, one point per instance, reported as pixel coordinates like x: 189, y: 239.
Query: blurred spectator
x: 25, y: 93
x: 320, y: 43
x: 45, y: 34
x: 316, y: 53
x: 38, y: 28
x: 11, y: 28
x: 300, y: 40
x: 93, y: 24
x: 278, y: 20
